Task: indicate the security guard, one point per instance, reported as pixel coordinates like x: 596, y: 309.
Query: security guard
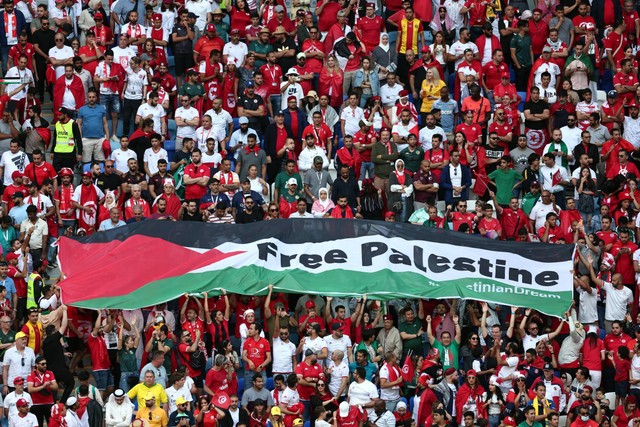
x: 67, y: 141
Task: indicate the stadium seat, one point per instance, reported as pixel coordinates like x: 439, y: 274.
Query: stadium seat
x: 411, y: 401
x: 86, y: 167
x: 170, y: 146
x: 270, y: 385
x: 236, y: 123
x: 172, y: 128
x: 307, y: 423
x: 601, y: 97
x: 393, y: 36
x: 523, y: 97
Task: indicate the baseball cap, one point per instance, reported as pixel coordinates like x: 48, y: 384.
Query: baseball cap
x: 298, y: 422
x: 279, y: 8
x: 335, y: 326
x: 505, y: 75
x: 16, y: 174
x: 250, y: 83
x: 425, y: 49
x: 19, y: 335
x: 21, y: 403
x: 18, y: 380
x: 235, y: 31
x: 149, y: 396
x: 472, y: 373
x: 308, y: 352
x: 211, y: 27
x: 301, y: 55
x: 308, y: 304
x: 181, y: 400
x: 276, y: 411
x: 390, y: 214
x: 317, y: 159
x: 87, y: 175
x: 65, y: 172
x: 612, y: 94
x: 546, y: 49
x: 344, y: 409
x: 547, y: 367
x: 293, y: 181
x: 17, y: 194
x: 9, y: 257
x: 98, y: 15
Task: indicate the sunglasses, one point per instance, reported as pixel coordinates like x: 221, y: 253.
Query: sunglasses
x: 273, y: 210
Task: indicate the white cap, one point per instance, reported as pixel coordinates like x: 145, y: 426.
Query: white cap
x: 71, y: 401
x: 292, y: 181
x: 292, y: 72
x: 344, y: 409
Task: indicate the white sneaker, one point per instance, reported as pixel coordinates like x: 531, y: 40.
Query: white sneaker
x: 115, y: 138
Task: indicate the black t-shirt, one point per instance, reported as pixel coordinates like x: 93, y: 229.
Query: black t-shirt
x: 493, y: 153
x: 109, y: 182
x: 181, y: 155
x: 45, y: 41
x: 195, y: 217
x: 536, y: 108
x: 244, y: 217
x: 251, y: 104
x: 286, y: 62
x: 53, y: 351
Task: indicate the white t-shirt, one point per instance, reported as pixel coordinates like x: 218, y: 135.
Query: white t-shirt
x: 539, y: 213
x: 186, y: 114
x: 617, y: 301
x: 362, y: 393
x: 173, y: 395
x: 588, y: 306
x: 635, y: 370
x: 64, y: 53
x: 238, y: 51
x: 157, y: 113
x: 351, y: 117
x: 136, y: 81
x: 425, y: 137
x: 392, y: 393
x: 122, y: 56
x: 292, y: 90
x: 529, y: 342
x: 10, y: 402
x: 151, y: 158
x: 316, y: 344
x: 343, y: 343
x: 121, y: 158
x: 20, y: 365
x: 508, y: 370
x: 29, y: 420
x: 13, y: 162
x: 290, y: 397
x: 25, y: 76
x: 338, y: 373
x: 282, y: 353
x: 458, y: 48
x: 219, y: 125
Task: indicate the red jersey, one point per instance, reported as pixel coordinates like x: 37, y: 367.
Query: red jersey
x: 45, y: 396
x: 99, y: 353
x: 320, y: 135
x: 501, y: 130
x: 612, y: 342
x: 554, y: 234
x: 195, y: 191
x: 304, y: 370
x: 103, y: 34
x: 217, y: 380
x: 472, y: 132
x: 315, y: 319
x: 21, y: 284
x: 40, y: 173
x: 512, y: 221
x: 539, y: 31
x: 206, y: 44
x: 459, y: 218
x: 185, y: 357
x: 286, y: 23
x: 361, y: 138
x: 624, y: 264
x: 493, y: 73
x: 9, y: 191
x: 272, y: 77
x: 353, y: 418
x: 310, y: 46
x: 436, y: 155
x: 607, y: 237
x: 477, y: 14
x: 192, y: 327
x: 502, y: 90
x: 327, y: 17
x: 370, y: 29
x: 257, y: 350
x: 623, y: 79
x: 615, y: 43
x: 91, y: 65
x: 17, y: 50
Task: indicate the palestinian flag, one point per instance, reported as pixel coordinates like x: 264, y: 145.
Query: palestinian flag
x: 155, y: 261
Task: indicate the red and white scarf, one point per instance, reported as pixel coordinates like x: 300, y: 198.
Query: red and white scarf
x: 10, y: 23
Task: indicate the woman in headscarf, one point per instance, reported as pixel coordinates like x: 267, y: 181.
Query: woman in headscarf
x: 385, y: 57
x: 110, y: 201
x: 400, y: 193
x: 323, y: 204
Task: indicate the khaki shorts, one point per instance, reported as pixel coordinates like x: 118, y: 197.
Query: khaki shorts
x: 92, y: 150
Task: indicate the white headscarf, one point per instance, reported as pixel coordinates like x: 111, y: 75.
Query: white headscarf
x: 324, y: 203
x: 400, y: 173
x: 113, y: 204
x: 384, y: 47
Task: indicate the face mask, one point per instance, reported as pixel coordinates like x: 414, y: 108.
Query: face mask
x: 584, y: 417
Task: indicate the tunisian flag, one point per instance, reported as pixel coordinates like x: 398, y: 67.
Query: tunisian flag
x: 556, y: 178
x: 407, y: 369
x: 76, y: 89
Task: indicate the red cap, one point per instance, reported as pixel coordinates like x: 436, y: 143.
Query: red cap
x: 472, y: 373
x: 97, y: 15
x: 425, y: 49
x: 235, y: 31
x: 16, y: 174
x: 310, y: 304
x: 87, y: 175
x: 157, y: 17
x: 625, y: 195
x: 387, y: 317
x: 505, y: 74
x: 537, y: 9
x: 509, y: 421
x: 18, y: 380
x: 390, y: 213
x: 403, y: 92
x: 373, y: 5
x: 22, y: 402
x: 292, y: 97
x: 9, y: 257
x: 65, y: 172
x: 632, y: 104
x: 211, y: 27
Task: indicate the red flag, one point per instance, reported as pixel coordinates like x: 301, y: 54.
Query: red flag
x: 556, y: 178
x: 407, y: 369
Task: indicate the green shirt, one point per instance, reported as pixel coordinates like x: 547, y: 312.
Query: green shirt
x: 412, y: 328
x: 191, y: 90
x: 522, y: 45
x: 167, y: 356
x: 412, y: 159
x: 505, y: 180
x: 262, y: 49
x: 222, y: 28
x: 524, y: 424
x: 7, y: 338
x: 128, y: 360
x: 281, y: 182
x: 448, y: 354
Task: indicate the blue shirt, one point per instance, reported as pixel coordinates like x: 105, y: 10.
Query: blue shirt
x: 10, y: 286
x: 18, y: 213
x: 108, y: 225
x: 448, y: 109
x: 92, y: 126
x: 370, y: 369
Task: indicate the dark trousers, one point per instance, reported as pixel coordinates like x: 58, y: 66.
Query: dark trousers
x: 64, y: 160
x: 41, y: 83
x: 42, y: 413
x: 522, y: 78
x: 129, y: 109
x: 64, y: 376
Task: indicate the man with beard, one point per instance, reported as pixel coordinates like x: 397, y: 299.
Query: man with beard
x: 67, y: 145
x: 41, y: 385
x: 68, y: 91
x: 309, y: 372
x: 85, y: 200
x: 157, y: 416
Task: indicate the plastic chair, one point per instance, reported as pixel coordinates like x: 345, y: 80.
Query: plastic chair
x: 172, y: 127
x: 393, y: 36
x: 236, y: 123
x: 270, y: 384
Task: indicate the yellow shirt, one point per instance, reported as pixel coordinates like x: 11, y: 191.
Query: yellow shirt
x: 429, y: 89
x: 156, y: 418
x: 141, y: 390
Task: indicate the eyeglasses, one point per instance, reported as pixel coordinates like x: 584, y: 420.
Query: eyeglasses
x: 519, y: 379
x: 284, y: 334
x: 621, y: 156
x: 44, y: 24
x: 273, y: 210
x: 322, y: 384
x: 59, y: 40
x: 108, y: 166
x: 474, y: 338
x: 184, y: 100
x: 571, y: 120
x: 493, y: 138
x: 462, y: 206
x: 42, y: 363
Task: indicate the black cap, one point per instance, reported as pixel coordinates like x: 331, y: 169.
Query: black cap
x: 308, y: 352
x: 547, y: 367
x: 18, y: 194
x: 335, y: 326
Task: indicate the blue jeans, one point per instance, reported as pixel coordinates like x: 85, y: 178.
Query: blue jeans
x: 124, y: 377
x: 4, y: 57
x: 494, y: 420
x: 367, y: 167
x: 248, y: 377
